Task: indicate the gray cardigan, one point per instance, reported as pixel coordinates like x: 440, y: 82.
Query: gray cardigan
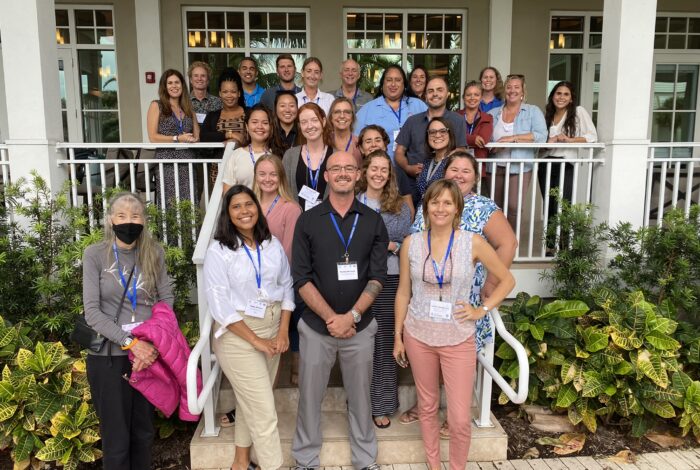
x: 290, y: 161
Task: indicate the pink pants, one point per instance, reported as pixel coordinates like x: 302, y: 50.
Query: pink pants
x: 458, y: 364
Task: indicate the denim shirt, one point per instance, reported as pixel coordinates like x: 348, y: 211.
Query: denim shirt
x: 529, y: 120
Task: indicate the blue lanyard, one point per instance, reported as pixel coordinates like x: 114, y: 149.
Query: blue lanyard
x: 342, y: 238
x: 354, y: 98
x: 267, y: 214
x: 349, y: 142
x: 314, y: 174
x: 180, y: 122
x: 258, y: 272
x: 398, y: 115
x: 364, y: 201
x: 306, y: 98
x: 470, y: 127
x: 130, y: 293
x: 440, y: 276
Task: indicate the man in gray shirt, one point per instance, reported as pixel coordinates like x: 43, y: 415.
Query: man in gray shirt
x: 350, y: 75
x: 410, y: 144
x: 286, y: 72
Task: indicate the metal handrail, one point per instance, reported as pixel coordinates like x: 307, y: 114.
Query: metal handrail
x: 524, y: 366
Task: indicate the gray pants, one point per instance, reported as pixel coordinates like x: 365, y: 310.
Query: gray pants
x: 317, y: 356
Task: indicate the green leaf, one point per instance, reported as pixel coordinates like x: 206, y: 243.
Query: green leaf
x: 660, y: 408
x: 85, y: 454
x: 625, y: 341
x: 593, y: 384
x: 54, y: 449
x: 537, y: 331
x: 7, y: 391
x: 563, y: 309
x: 568, y: 370
x: 567, y: 396
x: 48, y: 404
x: 692, y: 395
x: 89, y: 436
x: 588, y: 416
x: 650, y: 364
x: 623, y: 368
x: 23, y: 357
x: 562, y: 328
x: 81, y: 413
x: 661, y: 341
x: 640, y: 425
x: 555, y: 358
x: 7, y: 336
x: 665, y: 325
x: 504, y: 351
x: 595, y: 339
x: 24, y: 444
x: 7, y: 411
x: 694, y: 352
x: 581, y: 353
x: 681, y: 381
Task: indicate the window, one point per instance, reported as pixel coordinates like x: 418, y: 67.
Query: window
x: 677, y: 32
x: 88, y: 65
x: 674, y: 105
x: 435, y: 40
x: 221, y: 37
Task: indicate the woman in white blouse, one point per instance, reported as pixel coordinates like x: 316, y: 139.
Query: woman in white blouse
x: 239, y: 167
x: 569, y: 124
x: 250, y: 295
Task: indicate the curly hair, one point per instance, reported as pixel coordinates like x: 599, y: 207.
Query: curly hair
x: 569, y: 127
x: 498, y: 91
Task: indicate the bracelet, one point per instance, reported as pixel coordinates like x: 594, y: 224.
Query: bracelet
x: 131, y: 345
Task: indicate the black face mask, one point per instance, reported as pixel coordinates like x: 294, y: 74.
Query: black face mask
x: 127, y: 233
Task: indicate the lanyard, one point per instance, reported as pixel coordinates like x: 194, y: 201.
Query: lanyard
x: 440, y: 276
x: 258, y: 272
x: 306, y: 98
x: 398, y: 115
x: 349, y: 142
x: 180, y: 122
x: 267, y: 214
x: 432, y: 168
x: 342, y: 238
x: 354, y: 98
x: 364, y: 201
x: 314, y: 174
x: 252, y: 154
x: 130, y: 293
x: 470, y: 127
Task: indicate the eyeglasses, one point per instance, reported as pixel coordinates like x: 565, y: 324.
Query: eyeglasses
x: 434, y: 132
x: 338, y: 112
x: 338, y: 169
x: 430, y: 278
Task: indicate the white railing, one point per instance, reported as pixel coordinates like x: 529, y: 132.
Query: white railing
x: 5, y: 175
x: 92, y: 174
x: 201, y: 356
x: 671, y: 179
x: 528, y: 216
x: 486, y: 373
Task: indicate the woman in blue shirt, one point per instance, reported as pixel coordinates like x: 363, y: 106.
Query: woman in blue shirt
x: 515, y: 122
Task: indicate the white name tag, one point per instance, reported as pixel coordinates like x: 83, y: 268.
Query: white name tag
x: 396, y: 135
x: 256, y: 308
x: 200, y: 117
x: 440, y: 310
x: 308, y: 194
x: 347, y: 271
x: 130, y: 326
x: 310, y: 205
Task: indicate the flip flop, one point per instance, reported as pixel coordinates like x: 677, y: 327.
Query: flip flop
x: 409, y: 416
x: 377, y: 421
x: 228, y: 419
x: 445, y: 430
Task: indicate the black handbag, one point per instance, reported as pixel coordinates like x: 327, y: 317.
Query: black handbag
x: 88, y: 338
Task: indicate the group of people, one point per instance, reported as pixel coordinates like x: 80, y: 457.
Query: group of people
x: 350, y: 226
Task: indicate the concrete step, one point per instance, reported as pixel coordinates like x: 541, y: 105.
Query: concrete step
x: 397, y: 443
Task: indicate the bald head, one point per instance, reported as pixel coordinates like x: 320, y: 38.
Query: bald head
x: 341, y: 172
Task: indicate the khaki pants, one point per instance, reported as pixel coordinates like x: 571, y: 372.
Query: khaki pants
x: 252, y: 374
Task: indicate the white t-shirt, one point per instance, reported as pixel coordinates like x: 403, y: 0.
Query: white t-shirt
x: 323, y: 99
x: 240, y: 167
x: 502, y: 129
x: 584, y: 128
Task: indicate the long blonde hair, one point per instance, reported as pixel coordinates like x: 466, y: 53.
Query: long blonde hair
x: 391, y: 200
x: 283, y: 187
x: 147, y: 249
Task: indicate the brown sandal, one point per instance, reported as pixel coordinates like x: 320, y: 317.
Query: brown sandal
x: 409, y: 416
x: 445, y: 430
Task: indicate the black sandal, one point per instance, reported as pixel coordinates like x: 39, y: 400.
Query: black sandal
x: 379, y: 424
x: 230, y: 419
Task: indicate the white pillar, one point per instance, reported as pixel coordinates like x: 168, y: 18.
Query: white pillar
x: 3, y: 104
x: 500, y: 26
x: 150, y: 58
x: 626, y: 68
x: 31, y: 88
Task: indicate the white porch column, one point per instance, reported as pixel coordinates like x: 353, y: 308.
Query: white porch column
x: 3, y: 104
x: 150, y: 58
x: 623, y: 115
x: 500, y: 25
x: 31, y: 88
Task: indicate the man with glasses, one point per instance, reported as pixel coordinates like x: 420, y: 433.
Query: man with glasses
x: 410, y: 143
x: 339, y: 266
x: 286, y: 72
x: 350, y: 75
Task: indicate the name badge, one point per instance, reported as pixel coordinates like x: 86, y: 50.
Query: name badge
x: 440, y: 310
x: 347, y: 271
x: 310, y: 205
x: 396, y: 135
x: 256, y: 308
x: 130, y: 326
x: 308, y: 194
x: 200, y: 117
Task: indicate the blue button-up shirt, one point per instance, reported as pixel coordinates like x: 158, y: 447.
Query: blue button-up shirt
x: 251, y: 99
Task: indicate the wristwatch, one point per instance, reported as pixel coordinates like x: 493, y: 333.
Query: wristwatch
x: 485, y: 308
x: 356, y: 315
x: 127, y: 341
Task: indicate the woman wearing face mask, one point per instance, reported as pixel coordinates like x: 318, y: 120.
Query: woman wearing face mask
x: 377, y: 189
x: 285, y: 125
x: 312, y: 76
x: 492, y: 89
x: 439, y: 142
x: 239, y: 167
x: 417, y: 80
x: 249, y: 289
x: 341, y: 121
x: 306, y: 163
x: 127, y: 259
